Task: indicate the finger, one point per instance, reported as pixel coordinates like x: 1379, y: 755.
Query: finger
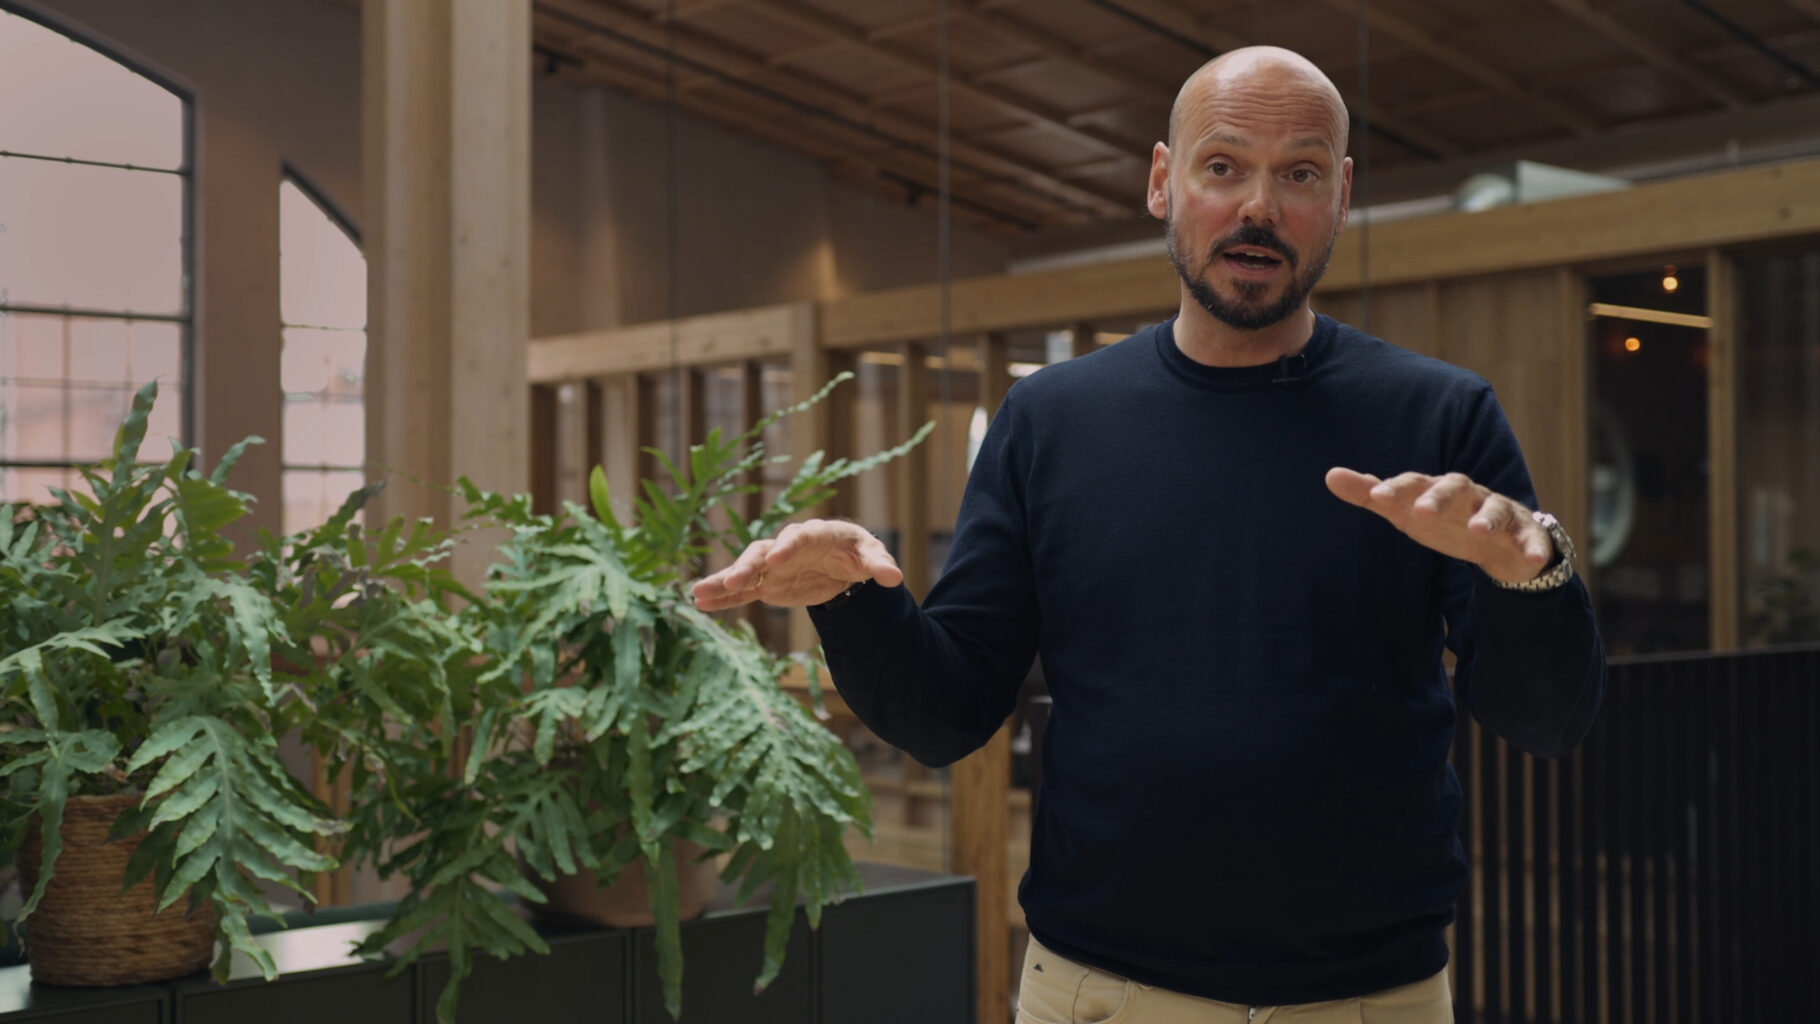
x: 1350, y: 485
x: 1399, y: 490
x: 715, y: 599
x: 1538, y: 546
x: 1495, y: 514
x: 1449, y: 496
x: 875, y: 558
x: 744, y: 573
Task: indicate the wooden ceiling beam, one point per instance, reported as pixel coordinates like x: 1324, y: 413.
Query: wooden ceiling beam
x: 832, y: 44
x: 813, y: 19
x: 624, y: 19
x: 1093, y: 168
x: 687, y: 9
x: 1811, y: 8
x: 842, y: 157
x: 1591, y: 72
x: 1616, y: 31
x: 1021, y: 69
x: 1475, y: 68
x: 1205, y: 32
x: 1065, y: 52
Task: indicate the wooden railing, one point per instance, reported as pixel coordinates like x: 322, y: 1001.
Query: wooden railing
x: 1666, y: 872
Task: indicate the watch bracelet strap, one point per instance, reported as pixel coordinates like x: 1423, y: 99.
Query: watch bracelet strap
x: 1556, y: 573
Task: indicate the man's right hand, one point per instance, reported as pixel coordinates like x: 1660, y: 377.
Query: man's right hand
x: 807, y: 563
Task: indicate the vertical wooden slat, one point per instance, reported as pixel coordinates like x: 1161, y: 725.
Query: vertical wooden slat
x: 810, y: 432
x: 751, y: 410
x: 593, y: 427
x: 1635, y: 810
x: 1081, y: 340
x: 1491, y: 870
x: 981, y: 809
x: 981, y: 794
x: 1573, y: 504
x: 1659, y: 771
x: 912, y: 495
x: 623, y: 412
x: 543, y: 447
x: 1517, y: 870
x: 1722, y: 450
x: 692, y: 404
x: 1573, y: 901
x: 1690, y: 762
x: 644, y: 433
x: 995, y: 371
x: 1467, y: 974
x: 1542, y: 775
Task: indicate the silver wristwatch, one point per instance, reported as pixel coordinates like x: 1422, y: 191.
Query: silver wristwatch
x: 1558, y: 571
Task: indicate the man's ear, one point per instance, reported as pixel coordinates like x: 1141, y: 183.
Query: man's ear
x: 1345, y: 194
x: 1156, y: 198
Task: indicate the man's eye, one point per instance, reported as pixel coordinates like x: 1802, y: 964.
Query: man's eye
x: 1302, y: 176
x: 1219, y: 168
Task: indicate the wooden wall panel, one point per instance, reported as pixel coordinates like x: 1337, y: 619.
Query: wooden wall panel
x: 1516, y: 331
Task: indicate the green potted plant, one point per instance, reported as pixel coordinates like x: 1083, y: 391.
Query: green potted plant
x: 609, y: 721
x: 138, y: 702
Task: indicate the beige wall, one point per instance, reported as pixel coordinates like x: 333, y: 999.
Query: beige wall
x: 276, y: 84
x: 754, y: 224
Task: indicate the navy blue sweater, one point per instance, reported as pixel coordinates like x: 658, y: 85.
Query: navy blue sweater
x: 1246, y: 793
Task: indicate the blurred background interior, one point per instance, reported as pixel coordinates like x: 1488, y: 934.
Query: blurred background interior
x: 518, y: 239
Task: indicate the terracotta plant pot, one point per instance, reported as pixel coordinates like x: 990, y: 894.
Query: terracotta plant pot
x: 85, y: 931
x: 627, y: 902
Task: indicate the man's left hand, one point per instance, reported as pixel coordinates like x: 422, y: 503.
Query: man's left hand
x: 1454, y: 516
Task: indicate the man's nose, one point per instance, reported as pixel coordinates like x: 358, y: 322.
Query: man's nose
x: 1260, y: 204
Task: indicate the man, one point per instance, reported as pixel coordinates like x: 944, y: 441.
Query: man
x: 1247, y: 810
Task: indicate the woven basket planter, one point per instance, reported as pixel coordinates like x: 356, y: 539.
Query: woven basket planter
x: 85, y: 931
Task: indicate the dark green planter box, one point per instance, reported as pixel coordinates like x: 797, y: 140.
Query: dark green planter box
x: 22, y: 1001
x: 901, y: 951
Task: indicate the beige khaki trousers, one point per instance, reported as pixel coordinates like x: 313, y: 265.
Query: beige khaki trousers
x: 1056, y: 990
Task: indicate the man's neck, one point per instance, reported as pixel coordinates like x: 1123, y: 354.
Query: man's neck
x: 1211, y: 342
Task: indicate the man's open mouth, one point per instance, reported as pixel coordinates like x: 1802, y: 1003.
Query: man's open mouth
x: 1252, y: 259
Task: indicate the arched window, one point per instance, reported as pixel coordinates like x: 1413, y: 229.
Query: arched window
x: 323, y: 308
x: 94, y: 255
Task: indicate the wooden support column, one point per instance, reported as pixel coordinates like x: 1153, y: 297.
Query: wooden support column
x: 447, y: 108
x: 1722, y: 450
x: 982, y: 793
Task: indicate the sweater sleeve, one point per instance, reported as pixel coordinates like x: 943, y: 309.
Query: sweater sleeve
x: 937, y: 681
x: 1530, y: 667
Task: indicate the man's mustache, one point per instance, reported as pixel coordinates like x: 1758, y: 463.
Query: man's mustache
x: 1255, y: 237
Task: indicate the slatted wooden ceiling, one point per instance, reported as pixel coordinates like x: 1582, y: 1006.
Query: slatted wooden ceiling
x: 1053, y: 104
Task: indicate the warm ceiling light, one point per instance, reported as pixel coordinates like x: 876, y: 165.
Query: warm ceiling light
x: 1632, y: 343
x: 1669, y: 281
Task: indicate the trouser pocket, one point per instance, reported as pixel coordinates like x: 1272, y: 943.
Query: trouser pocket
x: 1056, y: 990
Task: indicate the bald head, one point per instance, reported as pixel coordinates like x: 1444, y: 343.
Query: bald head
x: 1267, y: 70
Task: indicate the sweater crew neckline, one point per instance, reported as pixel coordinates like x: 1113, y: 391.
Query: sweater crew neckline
x: 1242, y: 378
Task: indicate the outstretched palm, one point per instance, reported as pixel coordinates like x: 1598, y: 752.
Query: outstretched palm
x: 1455, y: 516
x: 808, y: 563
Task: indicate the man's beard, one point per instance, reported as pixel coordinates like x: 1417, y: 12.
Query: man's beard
x: 1250, y: 312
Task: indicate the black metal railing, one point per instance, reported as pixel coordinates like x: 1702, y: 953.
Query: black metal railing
x: 1668, y: 871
